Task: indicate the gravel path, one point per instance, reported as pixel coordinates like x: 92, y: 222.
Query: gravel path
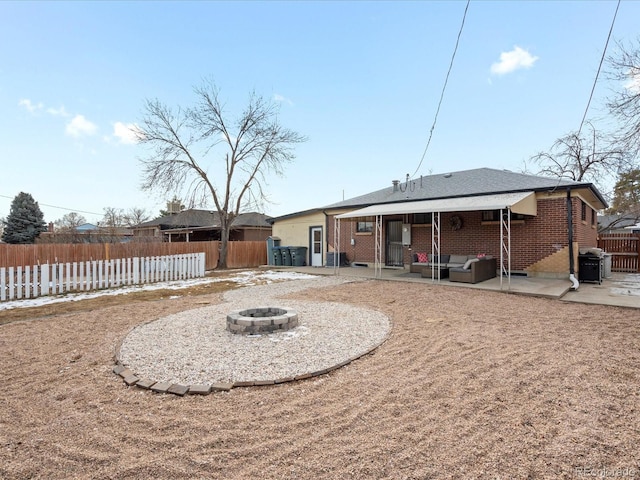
x: 194, y: 347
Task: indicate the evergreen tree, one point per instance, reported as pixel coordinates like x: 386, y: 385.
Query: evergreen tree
x: 25, y: 221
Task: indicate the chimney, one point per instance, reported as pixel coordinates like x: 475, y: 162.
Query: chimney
x: 395, y: 183
x: 50, y: 229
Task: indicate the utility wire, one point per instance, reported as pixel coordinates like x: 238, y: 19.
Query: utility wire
x: 61, y: 208
x: 443, y: 89
x: 595, y: 81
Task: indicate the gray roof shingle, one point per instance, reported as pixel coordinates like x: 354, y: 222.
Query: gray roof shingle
x: 480, y: 181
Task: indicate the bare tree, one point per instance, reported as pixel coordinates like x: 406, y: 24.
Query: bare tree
x: 69, y: 222
x: 216, y: 159
x: 113, y: 218
x: 582, y: 156
x: 135, y: 216
x: 624, y: 105
x: 67, y: 228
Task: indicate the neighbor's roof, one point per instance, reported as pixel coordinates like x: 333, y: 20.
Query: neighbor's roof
x: 480, y: 181
x: 206, y: 218
x: 618, y: 221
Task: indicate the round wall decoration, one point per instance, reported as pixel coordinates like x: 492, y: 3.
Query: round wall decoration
x: 455, y: 222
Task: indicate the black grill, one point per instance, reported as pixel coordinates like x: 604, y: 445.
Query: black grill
x: 590, y: 268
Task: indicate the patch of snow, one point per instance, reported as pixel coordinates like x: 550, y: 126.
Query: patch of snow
x: 245, y: 278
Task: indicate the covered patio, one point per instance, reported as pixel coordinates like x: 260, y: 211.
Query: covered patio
x: 506, y: 203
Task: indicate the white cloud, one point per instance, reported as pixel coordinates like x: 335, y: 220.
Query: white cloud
x: 58, y: 112
x: 280, y: 98
x: 80, y: 126
x: 31, y: 107
x: 514, y: 60
x: 127, y: 133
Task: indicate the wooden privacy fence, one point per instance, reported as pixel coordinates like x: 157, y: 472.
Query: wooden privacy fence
x: 239, y: 254
x: 624, y: 249
x: 53, y: 279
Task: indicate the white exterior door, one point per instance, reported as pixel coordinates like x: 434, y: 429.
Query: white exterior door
x: 316, y: 247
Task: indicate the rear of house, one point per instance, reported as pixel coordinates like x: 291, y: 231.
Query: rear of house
x: 474, y: 212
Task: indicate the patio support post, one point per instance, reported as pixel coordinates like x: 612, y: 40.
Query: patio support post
x: 505, y: 245
x: 435, y: 244
x: 336, y: 244
x: 378, y: 241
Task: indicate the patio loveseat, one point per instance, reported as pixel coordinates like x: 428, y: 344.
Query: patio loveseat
x: 474, y: 271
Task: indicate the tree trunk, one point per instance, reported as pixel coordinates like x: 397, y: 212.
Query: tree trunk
x: 224, y: 243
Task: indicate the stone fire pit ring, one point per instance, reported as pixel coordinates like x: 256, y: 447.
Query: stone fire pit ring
x: 261, y: 320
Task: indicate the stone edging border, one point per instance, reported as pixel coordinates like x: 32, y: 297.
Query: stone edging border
x: 131, y: 379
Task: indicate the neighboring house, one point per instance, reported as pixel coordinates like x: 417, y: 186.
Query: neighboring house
x: 204, y: 225
x: 85, y: 233
x: 633, y: 228
x: 467, y: 208
x: 617, y: 223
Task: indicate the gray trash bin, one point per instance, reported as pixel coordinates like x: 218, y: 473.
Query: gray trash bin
x: 276, y: 256
x: 286, y: 256
x: 272, y: 242
x: 298, y: 256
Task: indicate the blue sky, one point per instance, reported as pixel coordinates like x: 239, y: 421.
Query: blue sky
x: 360, y: 79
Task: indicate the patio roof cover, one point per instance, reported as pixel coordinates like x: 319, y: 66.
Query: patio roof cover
x: 518, y: 202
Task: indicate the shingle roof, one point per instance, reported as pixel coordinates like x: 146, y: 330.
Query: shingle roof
x: 206, y: 218
x: 461, y: 184
x: 618, y: 221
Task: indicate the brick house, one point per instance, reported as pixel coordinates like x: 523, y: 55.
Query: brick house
x: 467, y: 212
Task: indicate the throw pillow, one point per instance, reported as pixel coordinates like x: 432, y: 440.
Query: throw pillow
x: 468, y: 263
x: 422, y: 258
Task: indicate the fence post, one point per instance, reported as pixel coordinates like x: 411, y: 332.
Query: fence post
x: 136, y: 270
x: 44, y: 279
x: 27, y: 282
x: 3, y: 284
x: 60, y: 267
x: 36, y: 274
x: 19, y: 282
x: 68, y: 272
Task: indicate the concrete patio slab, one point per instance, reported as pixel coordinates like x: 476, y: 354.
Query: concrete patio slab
x: 622, y: 289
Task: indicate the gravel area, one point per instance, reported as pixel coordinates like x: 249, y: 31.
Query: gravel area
x: 194, y: 347
x: 470, y: 384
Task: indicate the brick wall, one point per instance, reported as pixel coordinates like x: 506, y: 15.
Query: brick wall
x: 539, y: 245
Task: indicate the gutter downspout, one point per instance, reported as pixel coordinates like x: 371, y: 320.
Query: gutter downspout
x: 572, y: 272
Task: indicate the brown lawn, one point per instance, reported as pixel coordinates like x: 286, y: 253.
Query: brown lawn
x: 470, y: 384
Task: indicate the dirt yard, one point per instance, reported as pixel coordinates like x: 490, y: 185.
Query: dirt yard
x: 470, y: 384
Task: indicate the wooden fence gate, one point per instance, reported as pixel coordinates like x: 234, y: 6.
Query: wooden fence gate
x: 624, y: 249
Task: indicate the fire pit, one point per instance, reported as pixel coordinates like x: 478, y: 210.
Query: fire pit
x: 260, y: 320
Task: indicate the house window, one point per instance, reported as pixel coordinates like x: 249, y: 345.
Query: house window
x: 593, y: 217
x: 364, y: 227
x: 494, y: 216
x: 422, y: 218
x: 583, y: 211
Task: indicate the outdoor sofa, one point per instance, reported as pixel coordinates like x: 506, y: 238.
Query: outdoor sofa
x: 462, y: 268
x: 421, y: 260
x: 476, y: 270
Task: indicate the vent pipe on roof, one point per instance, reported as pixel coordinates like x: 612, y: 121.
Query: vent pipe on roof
x: 396, y: 184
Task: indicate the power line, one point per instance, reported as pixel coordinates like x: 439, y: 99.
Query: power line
x: 443, y: 89
x: 61, y: 208
x: 595, y: 81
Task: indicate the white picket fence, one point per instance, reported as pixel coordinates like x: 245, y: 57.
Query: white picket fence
x: 54, y: 279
